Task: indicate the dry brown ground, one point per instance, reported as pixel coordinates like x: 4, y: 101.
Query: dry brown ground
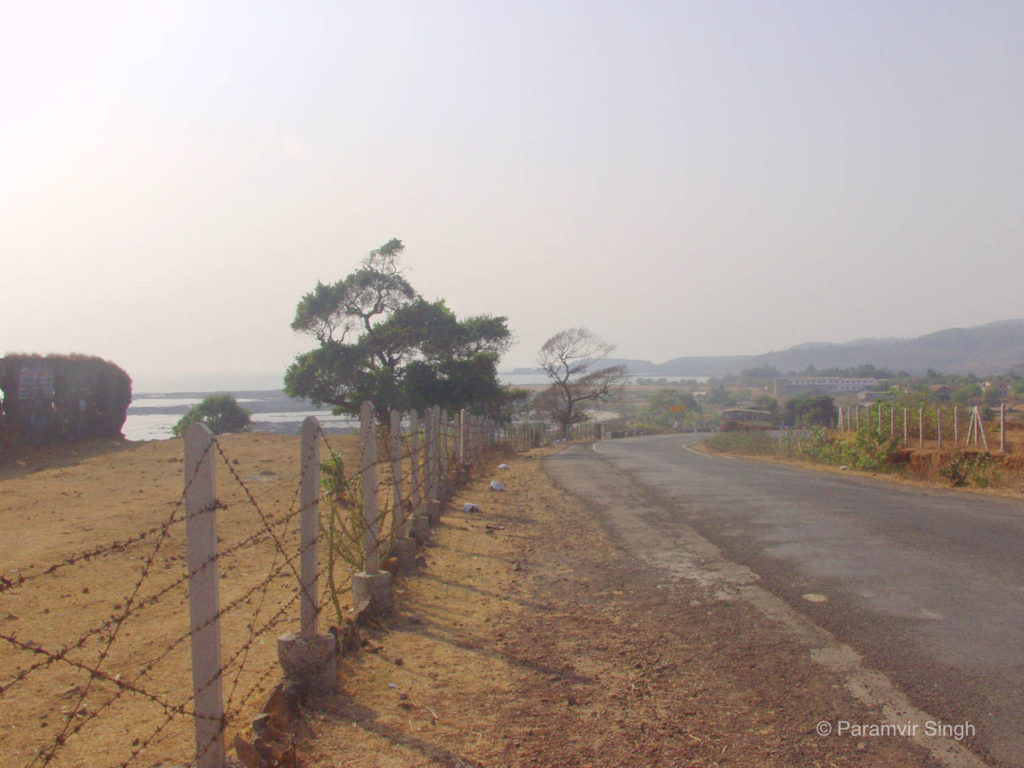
x: 528, y: 637
x: 61, y: 502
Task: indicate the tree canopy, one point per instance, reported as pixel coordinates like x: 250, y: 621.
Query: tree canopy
x: 805, y: 410
x: 379, y: 340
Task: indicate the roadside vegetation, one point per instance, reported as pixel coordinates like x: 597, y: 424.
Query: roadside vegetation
x: 807, y: 423
x: 221, y: 413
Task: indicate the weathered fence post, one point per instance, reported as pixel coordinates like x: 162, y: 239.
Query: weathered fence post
x: 305, y: 657
x: 432, y: 418
x: 414, y: 459
x: 442, y: 444
x: 446, y: 483
x: 1002, y: 427
x: 368, y: 442
x: 204, y: 596
x: 956, y: 426
x: 420, y: 528
x: 396, y: 471
x: 938, y: 428
x: 462, y: 438
x: 404, y: 548
x: 371, y: 586
x: 309, y: 526
x: 906, y: 432
x: 920, y: 427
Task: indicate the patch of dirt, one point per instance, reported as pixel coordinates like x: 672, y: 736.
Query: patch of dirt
x: 529, y: 638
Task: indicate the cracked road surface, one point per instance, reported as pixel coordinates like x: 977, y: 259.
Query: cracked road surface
x: 920, y: 593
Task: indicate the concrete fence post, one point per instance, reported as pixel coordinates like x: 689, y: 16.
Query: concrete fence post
x: 906, y: 433
x: 442, y: 442
x: 404, y: 548
x: 309, y: 526
x: 204, y: 596
x: 1002, y: 427
x: 956, y: 426
x: 431, y: 419
x: 938, y: 428
x: 368, y: 441
x: 920, y: 427
x: 414, y: 459
x: 462, y: 437
x: 419, y: 530
x: 371, y: 586
x: 305, y: 657
x: 396, y: 472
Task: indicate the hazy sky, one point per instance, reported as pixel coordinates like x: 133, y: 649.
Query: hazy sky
x: 681, y: 177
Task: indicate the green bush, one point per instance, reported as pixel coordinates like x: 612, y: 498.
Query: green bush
x: 870, y: 449
x: 979, y: 469
x: 221, y: 413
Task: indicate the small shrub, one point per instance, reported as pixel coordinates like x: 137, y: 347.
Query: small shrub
x: 979, y: 469
x: 221, y: 413
x: 345, y: 529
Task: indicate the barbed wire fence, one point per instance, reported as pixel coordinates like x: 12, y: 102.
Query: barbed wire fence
x: 245, y: 565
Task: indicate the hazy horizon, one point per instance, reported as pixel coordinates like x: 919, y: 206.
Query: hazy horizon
x: 685, y: 179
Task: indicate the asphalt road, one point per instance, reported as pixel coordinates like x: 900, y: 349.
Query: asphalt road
x: 927, y: 584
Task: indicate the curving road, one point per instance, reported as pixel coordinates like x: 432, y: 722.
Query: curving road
x: 927, y: 584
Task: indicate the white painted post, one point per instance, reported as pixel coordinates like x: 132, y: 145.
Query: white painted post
x: 368, y: 439
x: 204, y: 596
x: 396, y: 473
x: 309, y: 527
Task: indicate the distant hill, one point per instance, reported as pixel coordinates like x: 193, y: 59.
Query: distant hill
x: 983, y: 349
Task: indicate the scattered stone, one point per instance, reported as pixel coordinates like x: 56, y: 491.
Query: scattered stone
x: 497, y: 485
x: 469, y: 507
x: 503, y: 466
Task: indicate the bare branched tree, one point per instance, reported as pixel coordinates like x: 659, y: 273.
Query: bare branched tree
x: 568, y: 358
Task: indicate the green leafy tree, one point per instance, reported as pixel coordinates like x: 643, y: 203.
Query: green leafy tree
x: 379, y: 340
x: 818, y: 411
x: 221, y: 413
x: 659, y: 413
x: 719, y: 395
